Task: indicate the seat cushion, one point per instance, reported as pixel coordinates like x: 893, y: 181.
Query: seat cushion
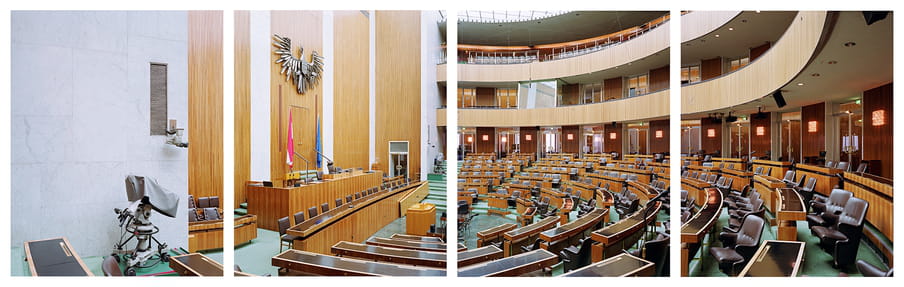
x: 827, y: 233
x: 288, y: 238
x: 815, y: 219
x: 725, y: 255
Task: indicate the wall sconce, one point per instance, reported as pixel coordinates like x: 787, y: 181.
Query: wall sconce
x: 503, y: 139
x: 760, y: 130
x: 570, y: 136
x: 527, y: 137
x: 811, y: 126
x: 174, y: 135
x: 878, y: 118
x: 470, y: 139
x: 611, y: 136
x: 659, y: 134
x: 486, y: 137
x: 710, y: 133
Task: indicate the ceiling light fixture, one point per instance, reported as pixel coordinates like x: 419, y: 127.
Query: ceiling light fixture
x: 800, y: 84
x: 832, y: 62
x: 815, y: 74
x: 717, y: 35
x: 850, y: 44
x: 730, y: 28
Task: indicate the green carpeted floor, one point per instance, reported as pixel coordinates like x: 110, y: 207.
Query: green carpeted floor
x: 817, y: 262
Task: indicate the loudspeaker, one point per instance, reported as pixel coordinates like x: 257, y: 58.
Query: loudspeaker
x: 874, y: 16
x: 779, y: 100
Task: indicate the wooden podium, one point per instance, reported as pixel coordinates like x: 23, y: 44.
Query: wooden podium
x: 419, y: 218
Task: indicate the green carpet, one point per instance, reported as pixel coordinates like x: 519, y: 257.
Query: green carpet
x: 817, y: 262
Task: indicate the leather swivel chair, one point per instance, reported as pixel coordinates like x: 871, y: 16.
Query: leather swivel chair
x: 869, y: 270
x: 843, y: 239
x: 826, y: 213
x: 746, y: 243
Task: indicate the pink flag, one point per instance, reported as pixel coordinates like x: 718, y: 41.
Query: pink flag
x: 290, y: 144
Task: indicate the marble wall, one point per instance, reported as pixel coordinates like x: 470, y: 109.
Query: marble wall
x: 80, y: 122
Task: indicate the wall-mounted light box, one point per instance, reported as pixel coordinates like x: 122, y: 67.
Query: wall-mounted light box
x: 811, y: 127
x: 659, y: 134
x: 710, y: 133
x: 760, y: 130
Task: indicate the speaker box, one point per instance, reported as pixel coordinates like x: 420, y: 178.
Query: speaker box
x: 779, y: 100
x: 874, y: 16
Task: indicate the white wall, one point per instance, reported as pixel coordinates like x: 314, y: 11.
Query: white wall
x: 80, y: 122
x: 431, y: 51
x: 260, y: 94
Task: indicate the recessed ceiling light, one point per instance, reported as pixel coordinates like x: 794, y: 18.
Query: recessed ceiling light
x: 815, y: 74
x: 743, y: 20
x: 577, y: 14
x: 800, y: 84
x: 832, y: 62
x: 850, y: 44
x: 717, y: 35
x: 757, y: 11
x: 730, y: 28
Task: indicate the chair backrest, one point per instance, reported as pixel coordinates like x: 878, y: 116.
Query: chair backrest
x: 657, y: 251
x: 211, y: 213
x: 862, y: 167
x: 843, y: 166
x: 516, y: 193
x: 800, y: 181
x: 830, y: 163
x: 110, y: 267
x: 759, y: 170
x: 192, y: 214
x: 348, y: 198
x: 811, y: 184
x: 214, y: 201
x: 357, y: 196
x: 789, y: 176
x: 712, y: 178
x: 203, y: 202
x: 299, y: 217
x: 283, y: 224
x: 837, y: 200
x: 191, y: 201
x: 338, y: 202
x: 853, y: 213
x: 324, y: 207
x: 751, y: 231
x: 312, y: 212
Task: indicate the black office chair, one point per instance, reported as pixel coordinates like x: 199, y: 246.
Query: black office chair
x: 746, y: 244
x: 869, y: 270
x: 656, y: 251
x: 574, y: 257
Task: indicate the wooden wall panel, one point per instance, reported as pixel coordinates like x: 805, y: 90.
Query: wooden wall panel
x: 659, y: 78
x: 878, y: 140
x: 612, y: 88
x: 792, y: 138
x: 351, y: 111
x: 205, y: 103
x: 486, y: 97
x: 758, y: 51
x: 528, y: 146
x: 711, y: 68
x: 571, y: 94
x: 655, y: 105
x: 398, y: 84
x: 242, y: 141
x: 489, y: 145
x: 710, y: 144
x: 305, y: 29
x: 812, y: 142
x: 659, y: 145
x: 761, y: 143
x: 613, y: 145
x: 573, y: 145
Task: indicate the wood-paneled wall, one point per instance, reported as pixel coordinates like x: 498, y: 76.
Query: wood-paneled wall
x: 659, y: 78
x: 573, y: 145
x: 242, y: 153
x: 711, y: 68
x: 610, y: 144
x: 528, y: 146
x: 205, y: 103
x: 878, y: 140
x: 710, y: 144
x: 695, y: 25
x: 486, y: 97
x: 758, y: 51
x: 351, y: 109
x: 571, y: 94
x: 489, y: 145
x: 398, y: 84
x: 761, y: 143
x: 305, y: 29
x: 612, y: 88
x: 812, y: 142
x: 659, y: 145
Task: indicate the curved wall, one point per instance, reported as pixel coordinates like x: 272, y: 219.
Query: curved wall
x: 648, y: 106
x: 695, y: 25
x: 784, y: 61
x: 652, y: 42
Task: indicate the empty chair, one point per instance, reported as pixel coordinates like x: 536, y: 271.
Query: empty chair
x: 826, y: 213
x: 789, y: 177
x: 512, y: 200
x: 843, y: 239
x: 348, y: 199
x: 746, y: 243
x: 861, y: 168
x: 800, y: 182
x: 110, y: 267
x: 357, y: 196
x: 214, y: 201
x: 192, y: 214
x: 211, y: 213
x: 758, y: 170
x: 869, y: 270
x: 299, y: 217
x: 574, y: 257
x: 845, y: 166
x: 830, y: 164
x: 203, y: 202
x: 735, y: 216
x: 338, y: 202
x: 807, y: 191
x: 285, y: 239
x: 191, y: 201
x: 656, y: 251
x: 312, y: 212
x: 324, y: 207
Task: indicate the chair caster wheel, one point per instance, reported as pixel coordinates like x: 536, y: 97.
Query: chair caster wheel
x: 130, y: 271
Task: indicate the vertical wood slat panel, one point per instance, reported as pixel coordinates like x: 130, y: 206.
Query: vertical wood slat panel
x: 205, y: 103
x: 812, y: 142
x: 398, y: 85
x: 242, y: 153
x: 878, y: 140
x: 351, y: 107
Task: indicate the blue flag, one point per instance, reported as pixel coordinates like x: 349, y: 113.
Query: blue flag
x: 319, y: 150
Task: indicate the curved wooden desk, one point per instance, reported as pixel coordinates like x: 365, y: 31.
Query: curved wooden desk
x: 612, y: 239
x: 389, y: 254
x: 511, y: 266
x: 789, y: 209
x: 693, y: 231
x: 493, y: 234
x: 482, y: 254
x: 525, y: 235
x: 775, y: 258
x: 766, y: 186
x: 570, y: 233
x: 413, y: 245
x: 623, y: 265
x: 326, y: 265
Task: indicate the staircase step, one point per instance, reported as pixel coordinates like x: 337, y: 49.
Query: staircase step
x: 241, y: 211
x: 244, y: 205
